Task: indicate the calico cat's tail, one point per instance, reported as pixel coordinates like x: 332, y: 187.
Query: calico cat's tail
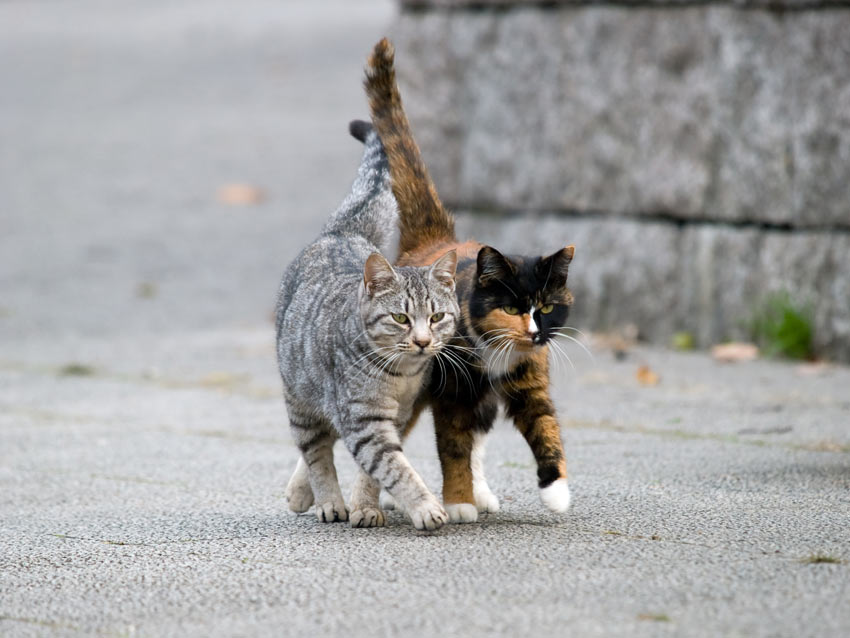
x: 422, y: 218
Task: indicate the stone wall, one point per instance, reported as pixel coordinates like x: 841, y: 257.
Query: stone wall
x: 698, y: 155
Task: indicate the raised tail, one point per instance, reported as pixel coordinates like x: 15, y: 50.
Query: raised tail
x: 422, y: 219
x: 370, y: 209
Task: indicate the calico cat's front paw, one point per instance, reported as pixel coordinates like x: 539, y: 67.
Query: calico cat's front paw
x: 462, y: 512
x: 428, y: 515
x: 367, y: 517
x: 556, y: 496
x: 331, y: 512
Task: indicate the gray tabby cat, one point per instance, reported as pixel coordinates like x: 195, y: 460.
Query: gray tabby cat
x: 356, y: 340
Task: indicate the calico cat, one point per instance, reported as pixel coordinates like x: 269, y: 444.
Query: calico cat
x: 511, y: 308
x: 356, y: 340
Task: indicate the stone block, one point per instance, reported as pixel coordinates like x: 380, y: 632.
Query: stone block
x: 706, y: 279
x: 698, y: 112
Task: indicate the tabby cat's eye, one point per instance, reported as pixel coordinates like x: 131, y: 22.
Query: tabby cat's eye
x: 401, y: 318
x: 437, y: 316
x: 547, y: 308
x: 511, y: 310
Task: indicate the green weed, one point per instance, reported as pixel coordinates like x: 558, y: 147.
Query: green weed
x: 782, y: 327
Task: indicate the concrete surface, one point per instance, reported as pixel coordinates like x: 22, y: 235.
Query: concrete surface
x: 143, y: 442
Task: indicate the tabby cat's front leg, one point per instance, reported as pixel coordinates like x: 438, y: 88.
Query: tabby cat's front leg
x: 534, y: 416
x: 374, y: 442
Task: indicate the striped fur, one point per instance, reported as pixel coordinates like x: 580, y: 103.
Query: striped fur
x: 356, y: 340
x: 500, y: 353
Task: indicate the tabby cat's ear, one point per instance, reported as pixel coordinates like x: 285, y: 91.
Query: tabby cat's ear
x: 554, y: 267
x: 444, y: 269
x: 378, y: 275
x: 492, y: 266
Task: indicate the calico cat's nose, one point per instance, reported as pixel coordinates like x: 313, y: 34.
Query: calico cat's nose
x: 422, y: 342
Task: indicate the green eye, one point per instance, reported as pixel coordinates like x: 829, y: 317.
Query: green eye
x: 511, y: 310
x: 547, y: 308
x: 401, y: 318
x: 437, y: 316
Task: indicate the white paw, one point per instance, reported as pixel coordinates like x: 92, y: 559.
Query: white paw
x: 299, y: 496
x: 367, y: 517
x: 428, y: 515
x: 331, y: 512
x: 557, y: 496
x: 387, y: 501
x: 462, y: 512
x: 485, y: 500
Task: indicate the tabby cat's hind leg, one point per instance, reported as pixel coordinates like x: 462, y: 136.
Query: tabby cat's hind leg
x: 298, y: 493
x: 365, y: 511
x: 317, y: 450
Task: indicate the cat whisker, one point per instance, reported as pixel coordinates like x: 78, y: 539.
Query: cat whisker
x: 579, y: 343
x: 558, y: 351
x: 459, y: 365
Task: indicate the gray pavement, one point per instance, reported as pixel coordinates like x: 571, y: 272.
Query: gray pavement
x: 143, y: 442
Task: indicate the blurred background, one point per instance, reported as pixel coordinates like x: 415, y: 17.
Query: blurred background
x: 161, y: 162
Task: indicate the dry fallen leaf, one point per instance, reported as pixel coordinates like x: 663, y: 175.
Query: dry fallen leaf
x: 735, y: 351
x: 646, y: 376
x: 814, y: 368
x: 240, y: 194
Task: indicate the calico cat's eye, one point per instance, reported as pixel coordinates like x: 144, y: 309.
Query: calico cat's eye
x: 511, y: 310
x: 437, y: 316
x: 547, y: 308
x: 401, y: 318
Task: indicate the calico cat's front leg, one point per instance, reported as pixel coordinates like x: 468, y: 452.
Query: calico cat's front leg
x: 534, y: 416
x: 460, y: 430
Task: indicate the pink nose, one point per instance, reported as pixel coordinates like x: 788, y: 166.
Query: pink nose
x: 422, y: 342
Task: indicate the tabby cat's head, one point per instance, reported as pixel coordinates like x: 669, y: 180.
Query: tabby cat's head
x: 523, y: 301
x: 409, y: 310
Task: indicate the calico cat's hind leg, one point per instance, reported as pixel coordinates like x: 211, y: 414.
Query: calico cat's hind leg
x: 316, y: 447
x: 485, y: 500
x: 365, y: 510
x: 298, y: 493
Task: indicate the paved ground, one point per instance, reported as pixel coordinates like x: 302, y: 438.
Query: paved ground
x: 143, y: 447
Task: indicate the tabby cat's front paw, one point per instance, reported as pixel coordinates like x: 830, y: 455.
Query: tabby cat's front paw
x: 556, y: 496
x: 462, y: 512
x: 429, y: 515
x: 367, y: 517
x: 331, y: 512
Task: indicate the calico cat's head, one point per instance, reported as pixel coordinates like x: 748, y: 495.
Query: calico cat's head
x: 409, y: 310
x: 523, y: 301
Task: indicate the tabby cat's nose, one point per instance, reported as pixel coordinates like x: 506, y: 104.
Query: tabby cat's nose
x: 422, y: 342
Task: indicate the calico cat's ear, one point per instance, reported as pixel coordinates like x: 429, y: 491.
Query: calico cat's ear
x: 492, y: 266
x: 554, y: 267
x: 444, y: 269
x: 378, y: 274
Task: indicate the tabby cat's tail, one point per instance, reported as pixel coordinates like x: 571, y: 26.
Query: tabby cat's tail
x: 422, y: 218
